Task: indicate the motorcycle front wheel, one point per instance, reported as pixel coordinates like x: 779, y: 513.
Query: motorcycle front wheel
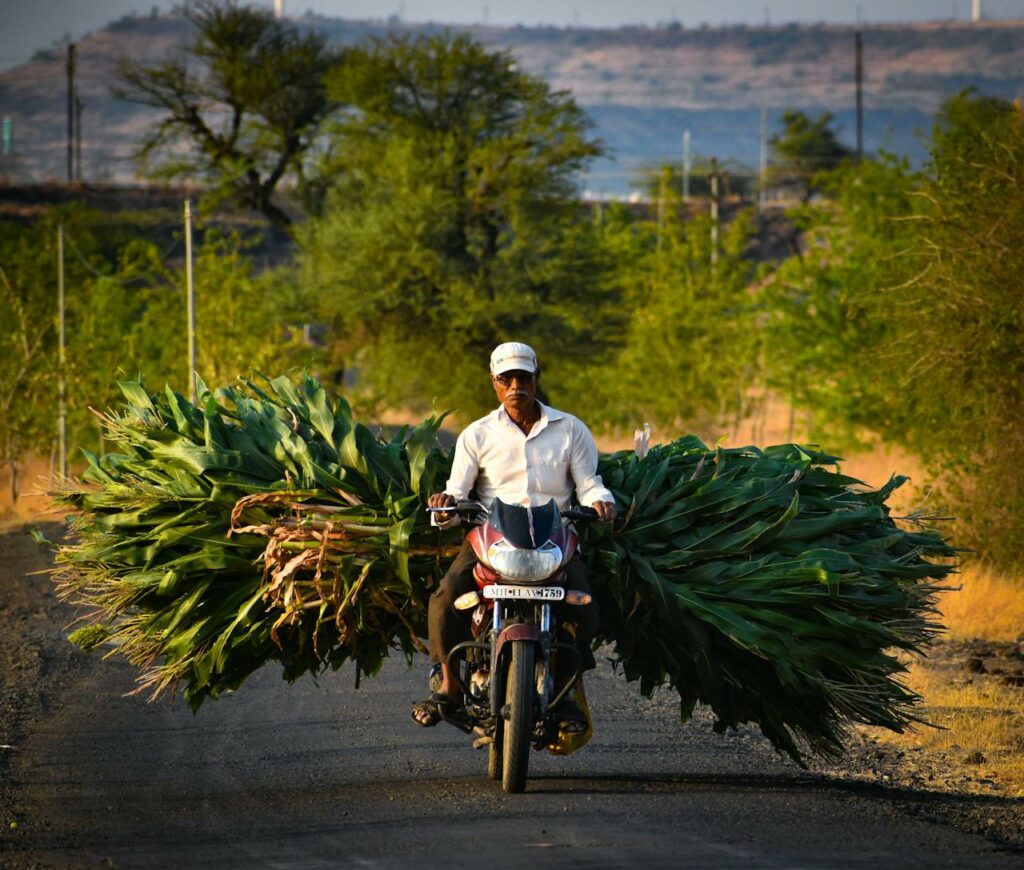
x: 518, y: 727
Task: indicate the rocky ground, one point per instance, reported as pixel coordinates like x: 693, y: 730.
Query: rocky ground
x: 37, y: 666
x: 1003, y: 660
x: 959, y: 772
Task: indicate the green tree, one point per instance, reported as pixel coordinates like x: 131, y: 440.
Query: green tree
x: 242, y: 109
x: 804, y: 150
x: 125, y: 317
x: 246, y: 321
x: 912, y: 290
x: 691, y: 345
x: 28, y: 302
x: 454, y: 223
x: 828, y: 330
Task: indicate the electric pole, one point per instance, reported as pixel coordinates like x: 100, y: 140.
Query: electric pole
x: 686, y: 166
x: 190, y: 305
x: 762, y: 193
x: 859, y: 73
x: 713, y: 178
x: 78, y: 138
x: 61, y: 387
x: 70, y: 69
x: 663, y: 182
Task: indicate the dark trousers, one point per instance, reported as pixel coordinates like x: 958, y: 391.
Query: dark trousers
x: 447, y: 626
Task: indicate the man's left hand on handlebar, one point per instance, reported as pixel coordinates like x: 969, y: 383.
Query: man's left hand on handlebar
x: 605, y: 511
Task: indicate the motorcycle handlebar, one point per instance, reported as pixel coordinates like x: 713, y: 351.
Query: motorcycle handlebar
x: 462, y: 508
x: 468, y: 508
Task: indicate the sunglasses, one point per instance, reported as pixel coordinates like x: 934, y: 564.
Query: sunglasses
x: 506, y: 379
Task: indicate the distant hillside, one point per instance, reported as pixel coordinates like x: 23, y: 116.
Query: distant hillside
x: 642, y: 87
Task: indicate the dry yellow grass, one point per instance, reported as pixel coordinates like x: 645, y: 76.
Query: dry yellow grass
x: 979, y: 734
x: 987, y: 605
x: 32, y: 503
x: 976, y: 713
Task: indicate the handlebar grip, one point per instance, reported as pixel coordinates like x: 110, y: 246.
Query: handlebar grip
x: 580, y: 513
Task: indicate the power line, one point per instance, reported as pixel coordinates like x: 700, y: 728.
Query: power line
x: 69, y: 239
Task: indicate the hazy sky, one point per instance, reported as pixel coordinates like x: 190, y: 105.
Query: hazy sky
x: 27, y: 25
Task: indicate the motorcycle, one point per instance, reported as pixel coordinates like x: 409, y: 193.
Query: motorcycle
x: 507, y: 671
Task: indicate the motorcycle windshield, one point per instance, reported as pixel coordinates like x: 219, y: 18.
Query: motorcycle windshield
x: 526, y: 528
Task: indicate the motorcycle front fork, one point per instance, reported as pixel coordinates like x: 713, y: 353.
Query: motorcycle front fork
x: 478, y: 677
x: 543, y: 673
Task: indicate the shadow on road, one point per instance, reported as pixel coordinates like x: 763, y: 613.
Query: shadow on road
x: 626, y: 784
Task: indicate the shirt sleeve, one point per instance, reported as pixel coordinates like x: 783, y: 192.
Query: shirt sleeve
x: 465, y: 467
x: 583, y: 467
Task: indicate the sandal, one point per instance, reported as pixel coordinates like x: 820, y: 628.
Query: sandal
x: 433, y: 710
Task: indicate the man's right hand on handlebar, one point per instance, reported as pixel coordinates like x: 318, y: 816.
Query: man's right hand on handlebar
x: 440, y: 500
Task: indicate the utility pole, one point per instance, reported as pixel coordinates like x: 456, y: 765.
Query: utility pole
x: 686, y: 166
x: 713, y: 178
x: 78, y: 138
x: 663, y: 181
x: 61, y: 386
x: 859, y: 73
x: 70, y: 69
x: 190, y: 305
x: 762, y: 193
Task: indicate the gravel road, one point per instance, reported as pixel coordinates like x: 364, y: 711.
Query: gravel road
x: 329, y: 776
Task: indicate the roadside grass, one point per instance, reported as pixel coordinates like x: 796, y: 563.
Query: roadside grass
x: 980, y: 722
x: 979, y: 733
x: 988, y: 605
x: 32, y: 505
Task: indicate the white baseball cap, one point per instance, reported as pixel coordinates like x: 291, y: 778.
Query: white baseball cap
x: 513, y: 356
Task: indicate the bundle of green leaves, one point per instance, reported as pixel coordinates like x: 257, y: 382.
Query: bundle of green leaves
x: 266, y: 524
x: 766, y: 585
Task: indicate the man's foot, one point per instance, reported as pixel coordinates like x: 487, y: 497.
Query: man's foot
x: 429, y: 711
x: 570, y: 718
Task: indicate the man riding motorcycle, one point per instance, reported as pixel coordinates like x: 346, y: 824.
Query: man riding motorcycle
x: 527, y: 453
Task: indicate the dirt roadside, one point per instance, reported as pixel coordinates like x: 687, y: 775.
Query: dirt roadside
x: 36, y: 663
x: 37, y: 666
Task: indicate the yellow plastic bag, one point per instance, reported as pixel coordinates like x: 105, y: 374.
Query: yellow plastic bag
x: 569, y: 743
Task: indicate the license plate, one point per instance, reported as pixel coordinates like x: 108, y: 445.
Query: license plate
x: 531, y: 593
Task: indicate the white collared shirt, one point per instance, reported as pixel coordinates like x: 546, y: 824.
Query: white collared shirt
x: 557, y: 457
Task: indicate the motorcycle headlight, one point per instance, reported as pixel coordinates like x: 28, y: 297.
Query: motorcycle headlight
x: 524, y: 566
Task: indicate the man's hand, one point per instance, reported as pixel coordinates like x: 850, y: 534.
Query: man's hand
x: 441, y: 499
x: 605, y: 511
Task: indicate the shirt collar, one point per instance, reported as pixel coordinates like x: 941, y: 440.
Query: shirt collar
x: 547, y: 415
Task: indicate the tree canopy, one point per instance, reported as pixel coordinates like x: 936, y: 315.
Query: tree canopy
x: 453, y: 221
x: 241, y: 109
x: 906, y: 317
x: 804, y: 149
